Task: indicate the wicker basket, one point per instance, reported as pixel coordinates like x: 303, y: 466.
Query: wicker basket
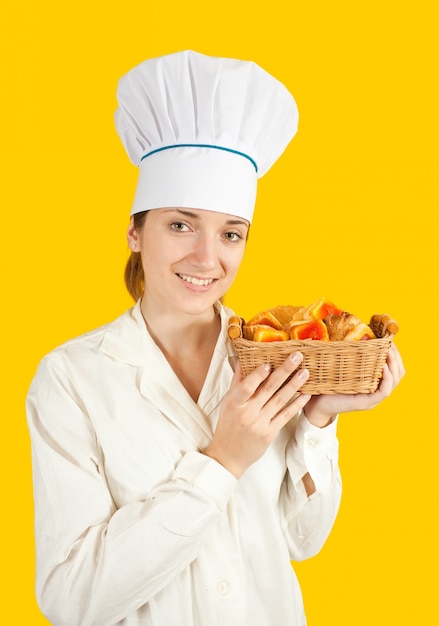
x: 334, y: 366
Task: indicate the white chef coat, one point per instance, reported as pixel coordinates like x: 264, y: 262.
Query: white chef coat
x: 134, y: 525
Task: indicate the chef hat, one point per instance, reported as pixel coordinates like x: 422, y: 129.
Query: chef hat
x: 202, y: 130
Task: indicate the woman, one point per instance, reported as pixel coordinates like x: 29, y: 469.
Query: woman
x: 169, y: 489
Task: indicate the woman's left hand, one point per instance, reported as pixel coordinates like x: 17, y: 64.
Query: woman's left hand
x: 322, y: 409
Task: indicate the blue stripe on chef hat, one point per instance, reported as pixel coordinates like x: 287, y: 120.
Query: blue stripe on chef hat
x: 200, y: 145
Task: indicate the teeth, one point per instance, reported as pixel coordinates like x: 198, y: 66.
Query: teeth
x: 196, y: 281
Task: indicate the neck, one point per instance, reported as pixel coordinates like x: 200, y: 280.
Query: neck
x: 187, y: 342
x: 180, y: 333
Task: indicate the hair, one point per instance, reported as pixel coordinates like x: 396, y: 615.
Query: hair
x: 134, y: 277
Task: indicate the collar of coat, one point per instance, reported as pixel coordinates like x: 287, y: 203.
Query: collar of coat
x: 127, y: 338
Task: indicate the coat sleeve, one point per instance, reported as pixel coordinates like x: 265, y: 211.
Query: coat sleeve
x: 308, y: 520
x: 96, y: 564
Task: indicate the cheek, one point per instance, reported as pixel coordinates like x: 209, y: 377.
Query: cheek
x: 240, y: 254
x: 150, y: 264
x: 234, y: 262
x: 151, y: 251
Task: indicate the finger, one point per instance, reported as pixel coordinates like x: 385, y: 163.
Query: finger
x: 395, y: 362
x: 387, y: 382
x: 237, y: 375
x: 283, y: 396
x: 244, y: 387
x: 279, y: 376
x: 290, y: 410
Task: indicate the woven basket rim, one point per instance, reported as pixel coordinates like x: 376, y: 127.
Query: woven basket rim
x: 269, y: 345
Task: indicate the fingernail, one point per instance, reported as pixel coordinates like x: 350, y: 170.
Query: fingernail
x: 296, y: 357
x: 303, y: 374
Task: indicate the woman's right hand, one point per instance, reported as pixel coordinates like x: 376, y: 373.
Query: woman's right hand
x: 253, y: 411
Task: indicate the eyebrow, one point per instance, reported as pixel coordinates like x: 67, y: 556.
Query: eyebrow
x: 197, y: 217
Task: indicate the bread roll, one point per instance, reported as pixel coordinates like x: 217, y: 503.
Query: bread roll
x: 347, y: 327
x: 340, y: 325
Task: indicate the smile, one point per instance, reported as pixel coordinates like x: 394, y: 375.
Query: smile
x: 196, y: 281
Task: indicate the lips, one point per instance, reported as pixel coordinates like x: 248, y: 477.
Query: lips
x: 200, y: 282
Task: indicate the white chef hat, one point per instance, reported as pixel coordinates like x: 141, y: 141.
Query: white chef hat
x: 202, y: 130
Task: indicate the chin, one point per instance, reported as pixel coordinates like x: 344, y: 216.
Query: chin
x: 196, y: 306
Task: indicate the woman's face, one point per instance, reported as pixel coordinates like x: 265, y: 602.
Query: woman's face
x: 190, y: 257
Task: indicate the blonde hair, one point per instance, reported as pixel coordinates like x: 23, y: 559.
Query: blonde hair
x: 134, y: 276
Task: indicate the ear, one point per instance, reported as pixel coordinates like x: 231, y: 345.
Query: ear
x: 133, y: 237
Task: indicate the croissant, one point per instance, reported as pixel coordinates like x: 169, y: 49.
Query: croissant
x: 347, y: 327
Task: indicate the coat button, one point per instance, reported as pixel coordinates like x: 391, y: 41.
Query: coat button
x: 313, y: 442
x: 223, y: 587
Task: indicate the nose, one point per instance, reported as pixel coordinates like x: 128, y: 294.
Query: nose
x: 204, y: 253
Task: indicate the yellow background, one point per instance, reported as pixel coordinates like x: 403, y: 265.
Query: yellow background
x: 349, y: 212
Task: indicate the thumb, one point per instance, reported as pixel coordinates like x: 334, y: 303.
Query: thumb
x: 237, y: 375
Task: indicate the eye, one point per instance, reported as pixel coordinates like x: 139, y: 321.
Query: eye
x: 179, y: 227
x: 233, y: 236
